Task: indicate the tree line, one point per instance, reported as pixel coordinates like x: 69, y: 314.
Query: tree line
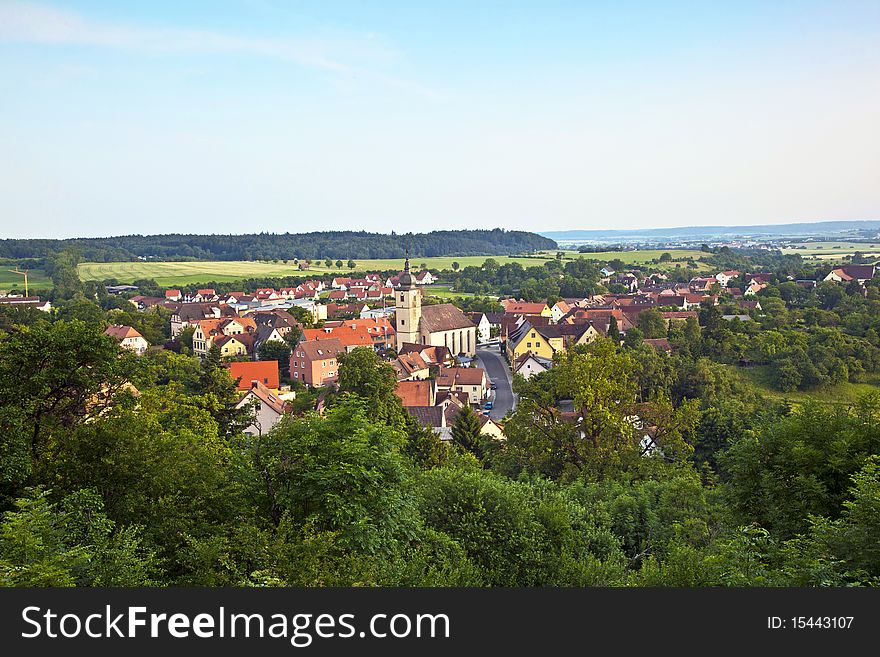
x: 269, y: 246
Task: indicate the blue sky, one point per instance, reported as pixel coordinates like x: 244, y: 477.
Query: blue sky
x: 270, y: 115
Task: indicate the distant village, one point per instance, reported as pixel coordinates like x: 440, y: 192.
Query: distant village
x: 438, y: 351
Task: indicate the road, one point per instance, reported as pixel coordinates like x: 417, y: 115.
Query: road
x: 493, y: 362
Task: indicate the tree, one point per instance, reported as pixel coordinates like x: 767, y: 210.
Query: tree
x: 186, y: 338
x: 328, y: 262
x: 363, y: 373
x: 613, y: 330
x: 455, y: 266
x: 279, y: 351
x: 665, y: 257
x: 652, y: 324
x: 71, y: 543
x: 351, y: 264
x: 54, y: 377
x: 596, y: 437
x: 341, y: 473
x: 338, y: 264
x: 466, y: 432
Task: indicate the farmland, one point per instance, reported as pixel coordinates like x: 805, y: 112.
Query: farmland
x: 832, y: 250
x: 187, y: 273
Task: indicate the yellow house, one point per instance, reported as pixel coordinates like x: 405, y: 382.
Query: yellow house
x: 233, y: 345
x: 529, y: 339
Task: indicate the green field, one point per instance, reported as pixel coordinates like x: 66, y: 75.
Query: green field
x: 833, y: 250
x: 186, y: 273
x: 842, y: 393
x: 15, y: 282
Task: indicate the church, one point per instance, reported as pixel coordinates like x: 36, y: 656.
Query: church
x: 441, y: 325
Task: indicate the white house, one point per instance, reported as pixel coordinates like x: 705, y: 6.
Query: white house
x: 128, y: 338
x: 268, y: 408
x: 529, y: 365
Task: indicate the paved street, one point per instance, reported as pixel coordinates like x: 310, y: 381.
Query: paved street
x: 493, y: 362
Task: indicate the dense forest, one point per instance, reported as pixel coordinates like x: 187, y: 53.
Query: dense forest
x: 267, y: 246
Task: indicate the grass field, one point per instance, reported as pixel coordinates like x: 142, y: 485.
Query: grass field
x: 15, y: 282
x: 833, y: 250
x: 186, y: 273
x: 842, y: 393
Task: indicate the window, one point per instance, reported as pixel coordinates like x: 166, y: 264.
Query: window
x: 402, y: 322
x: 401, y: 298
x: 296, y: 375
x: 537, y: 344
x: 528, y: 344
x: 258, y: 407
x: 266, y: 379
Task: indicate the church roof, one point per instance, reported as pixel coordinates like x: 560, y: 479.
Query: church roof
x: 443, y: 317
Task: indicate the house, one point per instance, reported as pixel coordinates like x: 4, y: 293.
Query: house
x: 281, y: 320
x: 629, y: 281
x: 190, y: 314
x: 491, y: 428
x: 417, y: 393
x: 303, y: 266
x: 746, y: 304
x: 860, y: 273
x: 439, y: 325
x: 724, y: 277
x: 375, y: 333
x: 529, y: 365
x: 234, y: 346
x: 528, y: 339
x: 264, y: 371
x: 514, y: 307
x: 660, y: 344
x: 484, y: 326
x: 205, y: 295
x: 411, y: 366
x: 440, y: 356
x: 316, y: 362
x: 472, y: 380
x: 128, y: 338
x: 753, y: 288
x: 268, y: 408
x: 265, y: 333
x: 606, y: 272
x: 31, y: 302
x: 173, y: 295
x: 559, y: 310
x: 142, y: 302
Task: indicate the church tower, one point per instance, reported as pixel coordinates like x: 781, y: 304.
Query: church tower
x: 408, y: 307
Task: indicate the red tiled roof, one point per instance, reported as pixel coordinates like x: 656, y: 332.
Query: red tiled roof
x: 264, y: 371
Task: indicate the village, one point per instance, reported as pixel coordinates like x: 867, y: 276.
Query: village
x: 445, y: 359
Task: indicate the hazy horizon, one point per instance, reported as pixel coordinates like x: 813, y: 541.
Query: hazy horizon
x: 251, y: 116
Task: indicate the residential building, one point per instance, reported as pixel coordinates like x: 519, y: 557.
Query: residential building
x: 268, y: 408
x: 264, y: 371
x: 471, y: 380
x: 316, y: 362
x: 128, y: 338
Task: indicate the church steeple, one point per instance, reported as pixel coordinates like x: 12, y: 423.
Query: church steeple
x: 406, y: 281
x: 408, y: 307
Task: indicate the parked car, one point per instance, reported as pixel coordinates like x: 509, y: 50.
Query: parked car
x: 487, y: 405
x: 486, y: 413
x: 493, y: 385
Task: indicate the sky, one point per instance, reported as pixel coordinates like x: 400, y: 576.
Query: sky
x: 244, y: 116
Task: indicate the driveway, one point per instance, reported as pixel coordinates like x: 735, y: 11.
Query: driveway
x: 495, y: 365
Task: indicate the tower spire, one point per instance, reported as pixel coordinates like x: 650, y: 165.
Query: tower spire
x: 406, y: 262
